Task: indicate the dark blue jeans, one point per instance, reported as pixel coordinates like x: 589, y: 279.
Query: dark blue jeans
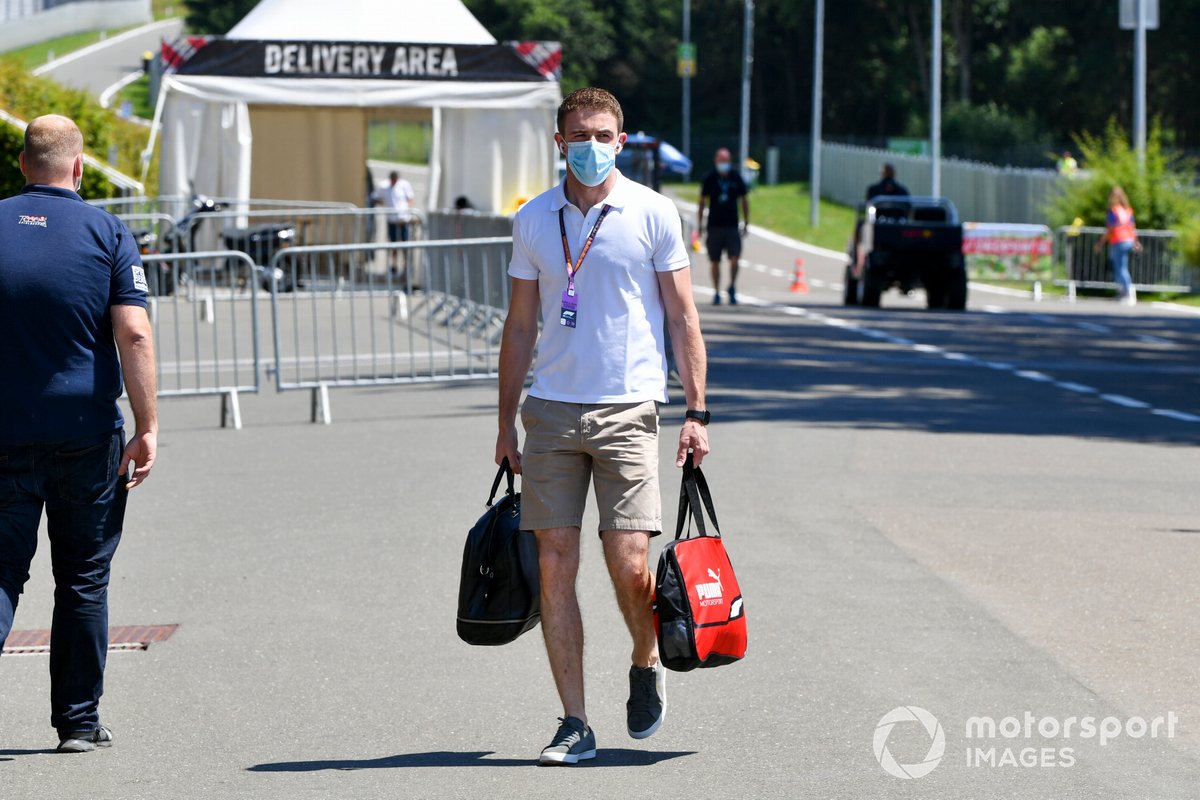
x: 77, y: 483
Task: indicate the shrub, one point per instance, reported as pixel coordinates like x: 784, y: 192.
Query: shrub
x: 1162, y: 194
x: 28, y: 96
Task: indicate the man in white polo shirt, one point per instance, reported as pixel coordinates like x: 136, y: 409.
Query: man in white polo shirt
x: 603, y: 259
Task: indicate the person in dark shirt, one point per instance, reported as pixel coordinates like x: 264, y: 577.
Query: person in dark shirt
x: 72, y: 321
x: 888, y: 185
x: 722, y: 189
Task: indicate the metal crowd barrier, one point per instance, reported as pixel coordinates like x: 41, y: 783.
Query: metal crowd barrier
x: 1081, y: 261
x: 436, y: 318
x: 467, y: 224
x: 248, y: 230
x: 206, y: 328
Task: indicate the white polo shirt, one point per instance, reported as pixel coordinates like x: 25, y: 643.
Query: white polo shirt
x: 617, y: 351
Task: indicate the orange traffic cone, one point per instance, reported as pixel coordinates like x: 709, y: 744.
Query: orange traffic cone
x: 799, y: 284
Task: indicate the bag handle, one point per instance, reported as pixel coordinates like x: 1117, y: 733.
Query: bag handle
x: 694, y: 500
x: 505, y: 469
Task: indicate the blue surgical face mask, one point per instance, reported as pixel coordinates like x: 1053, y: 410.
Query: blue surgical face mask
x: 591, y: 161
x: 724, y: 167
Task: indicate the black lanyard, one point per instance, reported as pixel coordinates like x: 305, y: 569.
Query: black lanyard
x: 562, y: 227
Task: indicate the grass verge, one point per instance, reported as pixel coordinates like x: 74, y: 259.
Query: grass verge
x: 784, y: 208
x: 35, y: 55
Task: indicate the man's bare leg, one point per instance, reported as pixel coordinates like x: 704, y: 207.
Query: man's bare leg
x: 562, y: 626
x: 715, y: 267
x: 627, y: 556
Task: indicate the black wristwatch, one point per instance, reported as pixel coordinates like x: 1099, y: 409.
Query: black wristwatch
x: 702, y: 417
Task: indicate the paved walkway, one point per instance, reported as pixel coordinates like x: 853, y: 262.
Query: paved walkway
x: 908, y: 528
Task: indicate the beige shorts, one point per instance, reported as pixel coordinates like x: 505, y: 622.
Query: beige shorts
x: 616, y: 446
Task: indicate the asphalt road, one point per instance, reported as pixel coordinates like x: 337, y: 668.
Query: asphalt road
x: 98, y: 67
x: 925, y: 509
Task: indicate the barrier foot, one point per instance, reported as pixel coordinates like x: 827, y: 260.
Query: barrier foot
x: 320, y: 404
x: 400, y: 306
x: 1037, y: 291
x: 207, y: 309
x: 1070, y: 291
x: 231, y: 408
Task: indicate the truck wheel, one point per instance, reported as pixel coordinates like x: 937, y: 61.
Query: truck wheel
x: 956, y: 294
x: 850, y: 290
x: 870, y: 289
x: 935, y: 291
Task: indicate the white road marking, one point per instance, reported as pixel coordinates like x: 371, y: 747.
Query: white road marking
x: 92, y: 48
x: 1122, y: 400
x: 1078, y: 388
x: 995, y: 309
x: 1146, y: 338
x: 1093, y: 327
x: 999, y: 366
x: 1182, y: 416
x: 1180, y: 307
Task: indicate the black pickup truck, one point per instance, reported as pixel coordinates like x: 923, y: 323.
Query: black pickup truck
x: 907, y: 242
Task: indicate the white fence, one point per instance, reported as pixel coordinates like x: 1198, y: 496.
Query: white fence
x: 980, y: 191
x: 27, y: 22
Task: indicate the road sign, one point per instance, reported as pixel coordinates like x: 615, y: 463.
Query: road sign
x: 686, y: 64
x: 1129, y: 14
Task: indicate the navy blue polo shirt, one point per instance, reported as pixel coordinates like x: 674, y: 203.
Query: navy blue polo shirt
x: 63, y: 265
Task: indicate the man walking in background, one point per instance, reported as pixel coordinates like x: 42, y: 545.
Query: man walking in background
x: 72, y: 296
x: 722, y: 189
x: 398, y: 198
x: 603, y: 259
x: 887, y: 186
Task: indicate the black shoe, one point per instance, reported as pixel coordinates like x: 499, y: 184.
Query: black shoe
x: 732, y: 296
x: 647, y: 706
x: 574, y: 742
x: 85, y: 741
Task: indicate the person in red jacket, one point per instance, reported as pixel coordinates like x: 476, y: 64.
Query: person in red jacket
x: 1121, y: 236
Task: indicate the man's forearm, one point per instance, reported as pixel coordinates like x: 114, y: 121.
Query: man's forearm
x: 690, y: 359
x: 516, y: 355
x: 141, y: 381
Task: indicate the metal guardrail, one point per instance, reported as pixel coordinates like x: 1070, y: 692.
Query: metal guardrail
x: 312, y: 226
x: 1081, y: 260
x: 440, y: 320
x: 206, y: 327
x: 177, y: 204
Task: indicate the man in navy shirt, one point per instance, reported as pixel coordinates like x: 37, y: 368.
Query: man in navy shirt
x: 723, y: 189
x: 72, y: 299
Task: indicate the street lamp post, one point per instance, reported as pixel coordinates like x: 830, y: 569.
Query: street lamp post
x: 1139, y: 82
x: 687, y: 83
x: 935, y: 103
x: 747, y: 69
x: 814, y: 214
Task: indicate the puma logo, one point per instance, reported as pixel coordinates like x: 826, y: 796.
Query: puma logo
x: 711, y: 593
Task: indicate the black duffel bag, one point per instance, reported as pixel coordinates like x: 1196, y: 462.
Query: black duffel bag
x: 499, y: 593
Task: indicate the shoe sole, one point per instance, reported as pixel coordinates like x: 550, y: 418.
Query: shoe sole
x: 565, y: 759
x: 81, y: 746
x: 661, y: 686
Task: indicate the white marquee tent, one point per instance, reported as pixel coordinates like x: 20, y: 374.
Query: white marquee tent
x: 280, y: 107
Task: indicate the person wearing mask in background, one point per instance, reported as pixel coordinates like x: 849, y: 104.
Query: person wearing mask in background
x: 1121, y: 236
x: 722, y: 190
x: 603, y: 259
x: 72, y: 299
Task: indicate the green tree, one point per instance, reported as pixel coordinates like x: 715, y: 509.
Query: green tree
x: 216, y: 16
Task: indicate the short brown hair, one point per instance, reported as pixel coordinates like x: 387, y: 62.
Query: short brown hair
x: 590, y: 99
x: 51, y: 143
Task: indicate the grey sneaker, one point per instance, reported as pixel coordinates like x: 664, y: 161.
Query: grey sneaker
x: 573, y: 743
x: 647, y: 706
x: 85, y: 741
